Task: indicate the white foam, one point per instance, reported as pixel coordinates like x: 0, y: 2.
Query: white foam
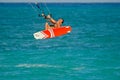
x: 37, y: 66
x: 78, y: 68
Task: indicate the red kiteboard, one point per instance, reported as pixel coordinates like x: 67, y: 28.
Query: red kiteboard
x: 53, y: 32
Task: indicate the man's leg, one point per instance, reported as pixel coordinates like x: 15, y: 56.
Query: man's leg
x: 47, y: 26
x: 57, y: 25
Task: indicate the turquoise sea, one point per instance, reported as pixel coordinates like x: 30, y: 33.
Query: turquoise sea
x: 90, y: 52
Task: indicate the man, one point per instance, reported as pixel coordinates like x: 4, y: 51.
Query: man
x: 51, y: 23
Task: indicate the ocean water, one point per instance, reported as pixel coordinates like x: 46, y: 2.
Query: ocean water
x: 90, y: 52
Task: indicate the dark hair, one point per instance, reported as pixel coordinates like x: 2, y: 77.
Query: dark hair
x: 50, y: 15
x: 62, y: 19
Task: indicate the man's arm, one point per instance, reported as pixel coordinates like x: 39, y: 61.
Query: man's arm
x: 51, y: 19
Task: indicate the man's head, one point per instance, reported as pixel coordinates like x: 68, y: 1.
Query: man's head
x: 61, y: 20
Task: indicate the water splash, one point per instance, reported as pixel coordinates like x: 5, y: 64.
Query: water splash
x: 38, y: 66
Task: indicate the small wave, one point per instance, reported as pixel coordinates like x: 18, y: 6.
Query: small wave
x: 78, y: 68
x: 37, y: 66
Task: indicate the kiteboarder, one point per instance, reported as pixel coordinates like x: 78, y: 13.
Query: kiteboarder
x: 52, y: 23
